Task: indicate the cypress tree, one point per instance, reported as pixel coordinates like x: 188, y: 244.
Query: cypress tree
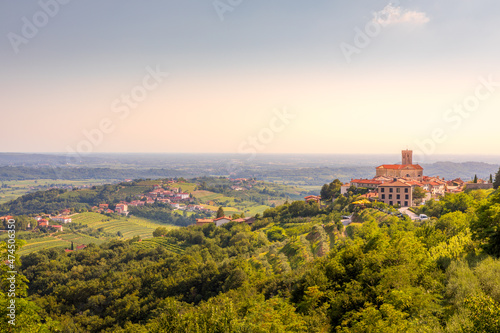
x: 220, y: 212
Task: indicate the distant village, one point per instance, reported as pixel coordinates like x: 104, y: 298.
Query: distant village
x: 173, y: 196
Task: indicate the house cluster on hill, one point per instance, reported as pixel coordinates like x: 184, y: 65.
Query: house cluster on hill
x: 175, y: 198
x: 394, y: 184
x: 225, y: 219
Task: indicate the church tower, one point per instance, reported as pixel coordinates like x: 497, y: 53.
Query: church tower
x: 407, y: 157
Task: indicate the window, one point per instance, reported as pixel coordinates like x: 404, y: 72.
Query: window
x: 406, y: 203
x: 406, y: 190
x: 399, y: 203
x: 391, y: 189
x: 382, y: 189
x: 390, y: 196
x: 383, y: 196
x: 397, y: 190
x: 406, y: 197
x: 398, y: 196
x: 390, y: 203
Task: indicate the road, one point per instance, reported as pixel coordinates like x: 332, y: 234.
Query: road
x: 408, y: 212
x: 346, y: 222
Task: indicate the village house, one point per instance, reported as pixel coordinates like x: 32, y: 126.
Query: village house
x: 366, y: 183
x: 201, y: 222
x: 43, y: 223
x: 396, y: 193
x: 434, y: 188
x: 222, y: 220
x: 62, y: 219
x: 344, y: 188
x: 57, y: 227
x: 315, y: 198
x: 121, y: 208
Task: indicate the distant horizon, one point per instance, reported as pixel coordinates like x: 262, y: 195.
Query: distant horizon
x: 349, y: 158
x: 277, y: 77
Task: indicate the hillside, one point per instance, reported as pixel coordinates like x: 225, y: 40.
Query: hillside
x: 293, y: 270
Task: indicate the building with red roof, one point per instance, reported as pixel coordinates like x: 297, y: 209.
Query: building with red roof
x: 404, y: 170
x: 396, y: 193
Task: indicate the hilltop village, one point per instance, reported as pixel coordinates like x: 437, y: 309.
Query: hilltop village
x: 397, y: 185
x: 405, y: 184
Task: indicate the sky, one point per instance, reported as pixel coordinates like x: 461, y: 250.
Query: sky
x: 241, y: 76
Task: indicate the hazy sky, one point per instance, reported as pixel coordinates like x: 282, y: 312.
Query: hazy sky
x: 249, y: 76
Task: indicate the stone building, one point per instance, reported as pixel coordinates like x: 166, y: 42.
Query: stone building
x: 406, y: 169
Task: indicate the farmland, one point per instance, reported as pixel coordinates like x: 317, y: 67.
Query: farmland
x: 129, y: 227
x: 159, y: 241
x: 13, y: 189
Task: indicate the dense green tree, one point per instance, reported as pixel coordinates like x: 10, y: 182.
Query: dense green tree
x: 475, y: 179
x: 496, y: 183
x: 329, y: 191
x: 418, y: 194
x: 486, y: 228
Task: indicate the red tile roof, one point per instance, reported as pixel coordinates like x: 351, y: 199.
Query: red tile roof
x: 394, y: 184
x: 366, y: 181
x: 204, y: 220
x: 224, y: 217
x: 400, y: 166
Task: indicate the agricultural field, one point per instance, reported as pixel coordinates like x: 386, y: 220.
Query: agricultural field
x: 13, y: 189
x: 45, y: 243
x: 128, y: 226
x: 186, y: 187
x: 158, y: 241
x: 231, y: 205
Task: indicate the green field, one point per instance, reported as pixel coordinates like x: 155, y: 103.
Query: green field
x: 186, y: 187
x: 11, y: 190
x: 247, y: 207
x: 158, y: 241
x: 128, y: 226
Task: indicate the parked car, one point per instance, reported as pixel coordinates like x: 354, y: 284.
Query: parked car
x: 423, y: 217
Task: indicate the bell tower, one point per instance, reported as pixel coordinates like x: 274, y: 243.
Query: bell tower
x: 407, y: 157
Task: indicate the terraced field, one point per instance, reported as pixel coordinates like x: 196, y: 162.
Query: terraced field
x: 43, y: 244
x: 158, y: 241
x: 79, y: 239
x: 128, y: 226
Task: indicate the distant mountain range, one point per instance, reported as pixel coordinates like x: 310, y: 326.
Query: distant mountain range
x: 312, y: 170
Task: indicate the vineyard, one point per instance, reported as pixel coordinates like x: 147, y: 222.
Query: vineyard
x: 43, y: 244
x: 156, y: 242
x: 129, y: 227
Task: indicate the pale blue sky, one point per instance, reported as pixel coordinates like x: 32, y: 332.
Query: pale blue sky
x: 227, y: 77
